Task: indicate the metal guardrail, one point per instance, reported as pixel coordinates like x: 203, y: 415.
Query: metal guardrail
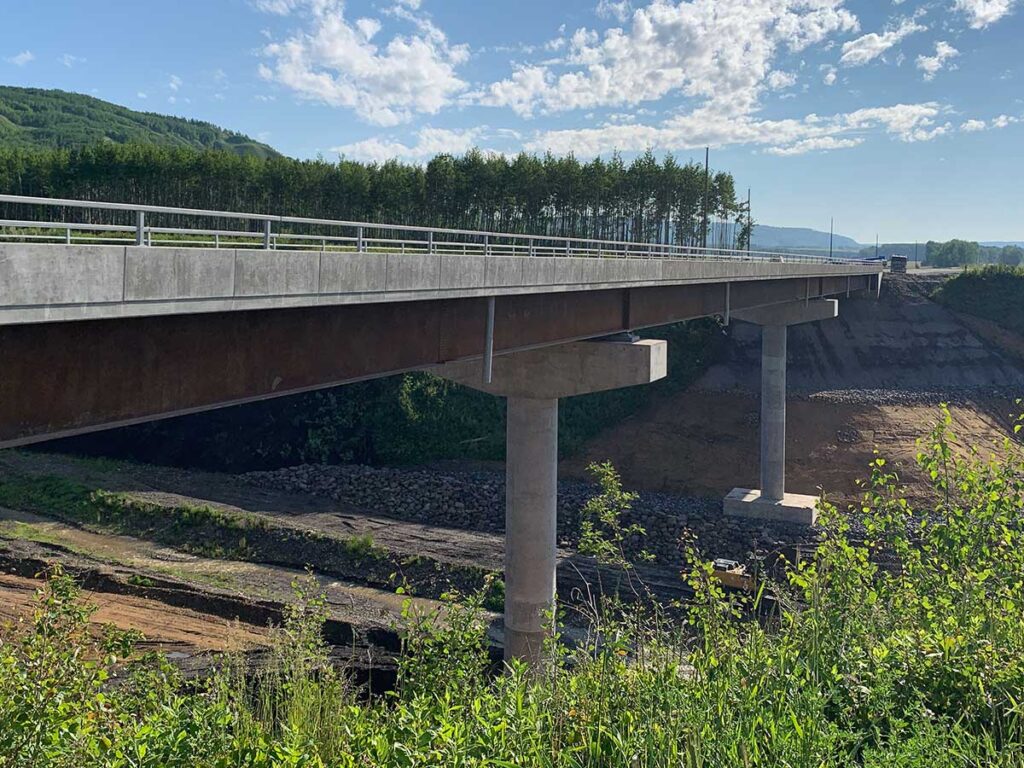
x: 338, y: 235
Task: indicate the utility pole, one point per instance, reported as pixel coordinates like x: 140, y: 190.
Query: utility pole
x: 831, y: 229
x: 750, y: 222
x: 704, y: 218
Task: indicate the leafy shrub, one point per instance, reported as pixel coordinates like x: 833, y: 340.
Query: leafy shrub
x: 902, y: 645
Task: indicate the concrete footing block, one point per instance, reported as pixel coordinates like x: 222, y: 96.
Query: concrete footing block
x: 794, y: 508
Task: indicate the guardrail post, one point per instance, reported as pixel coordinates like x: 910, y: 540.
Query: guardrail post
x: 216, y: 240
x: 430, y: 242
x: 568, y: 247
x: 360, y: 245
x: 67, y: 236
x: 140, y: 227
x: 531, y: 247
x: 487, y: 245
x: 266, y: 234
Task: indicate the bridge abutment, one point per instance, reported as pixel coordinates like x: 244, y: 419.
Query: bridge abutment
x: 533, y: 381
x: 770, y: 501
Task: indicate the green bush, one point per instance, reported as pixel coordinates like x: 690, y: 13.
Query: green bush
x: 900, y: 646
x: 994, y: 293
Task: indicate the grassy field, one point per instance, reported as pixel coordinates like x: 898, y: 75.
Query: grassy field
x: 903, y: 646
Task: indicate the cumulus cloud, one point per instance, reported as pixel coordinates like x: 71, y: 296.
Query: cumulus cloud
x: 779, y: 80
x: 428, y: 143
x: 714, y: 51
x: 819, y: 144
x: 619, y: 10
x: 704, y: 127
x: 338, y: 62
x: 974, y: 125
x: 174, y: 83
x: 868, y: 47
x: 931, y: 65
x: 981, y: 13
x: 21, y: 59
x: 828, y: 74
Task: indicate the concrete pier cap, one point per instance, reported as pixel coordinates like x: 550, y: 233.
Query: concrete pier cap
x: 770, y: 501
x: 533, y: 381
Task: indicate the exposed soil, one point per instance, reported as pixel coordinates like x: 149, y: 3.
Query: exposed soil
x: 706, y: 443
x: 173, y: 630
x: 870, y: 380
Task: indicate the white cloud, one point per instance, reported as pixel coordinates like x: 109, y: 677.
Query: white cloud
x: 778, y: 80
x: 820, y: 144
x: 829, y: 74
x: 69, y: 61
x: 174, y: 83
x: 715, y: 51
x: 142, y: 95
x: 706, y: 127
x: 931, y: 65
x: 21, y: 59
x: 868, y: 47
x: 981, y: 13
x: 429, y: 142
x: 335, y: 62
x: 1002, y: 121
x: 619, y: 10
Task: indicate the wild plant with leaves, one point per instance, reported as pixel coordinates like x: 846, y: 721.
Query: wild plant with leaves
x: 899, y: 643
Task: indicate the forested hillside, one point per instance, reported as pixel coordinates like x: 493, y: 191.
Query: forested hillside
x: 33, y: 118
x: 646, y: 199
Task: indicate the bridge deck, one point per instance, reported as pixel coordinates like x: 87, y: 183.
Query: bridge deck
x: 93, y: 336
x: 48, y: 282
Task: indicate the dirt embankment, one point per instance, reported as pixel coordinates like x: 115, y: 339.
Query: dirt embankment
x: 872, y: 379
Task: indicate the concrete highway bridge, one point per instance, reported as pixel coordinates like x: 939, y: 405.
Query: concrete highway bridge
x: 174, y: 311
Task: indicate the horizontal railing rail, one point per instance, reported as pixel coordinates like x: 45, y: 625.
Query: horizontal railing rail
x: 297, y: 233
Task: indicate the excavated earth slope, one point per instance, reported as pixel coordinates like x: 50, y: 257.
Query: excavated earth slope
x: 872, y: 379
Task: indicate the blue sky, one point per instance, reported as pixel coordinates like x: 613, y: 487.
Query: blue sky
x: 897, y: 117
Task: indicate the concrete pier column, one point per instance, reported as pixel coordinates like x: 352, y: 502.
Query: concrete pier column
x: 531, y: 492
x: 770, y: 501
x: 773, y: 412
x: 533, y: 381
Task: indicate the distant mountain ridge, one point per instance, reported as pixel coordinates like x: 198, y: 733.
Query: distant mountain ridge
x: 36, y: 118
x: 768, y: 237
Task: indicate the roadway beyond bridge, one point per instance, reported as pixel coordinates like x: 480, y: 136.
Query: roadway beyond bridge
x: 146, y: 322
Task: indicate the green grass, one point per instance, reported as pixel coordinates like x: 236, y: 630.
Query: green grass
x: 904, y: 647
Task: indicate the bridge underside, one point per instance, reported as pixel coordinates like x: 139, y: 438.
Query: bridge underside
x: 64, y: 378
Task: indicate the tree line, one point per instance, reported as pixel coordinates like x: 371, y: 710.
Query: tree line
x: 647, y: 199
x: 955, y: 253
x: 952, y: 253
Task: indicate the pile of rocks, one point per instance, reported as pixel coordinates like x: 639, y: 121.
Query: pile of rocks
x: 476, y: 501
x: 959, y: 396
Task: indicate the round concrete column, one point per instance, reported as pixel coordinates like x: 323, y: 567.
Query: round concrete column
x: 773, y: 412
x: 530, y: 514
